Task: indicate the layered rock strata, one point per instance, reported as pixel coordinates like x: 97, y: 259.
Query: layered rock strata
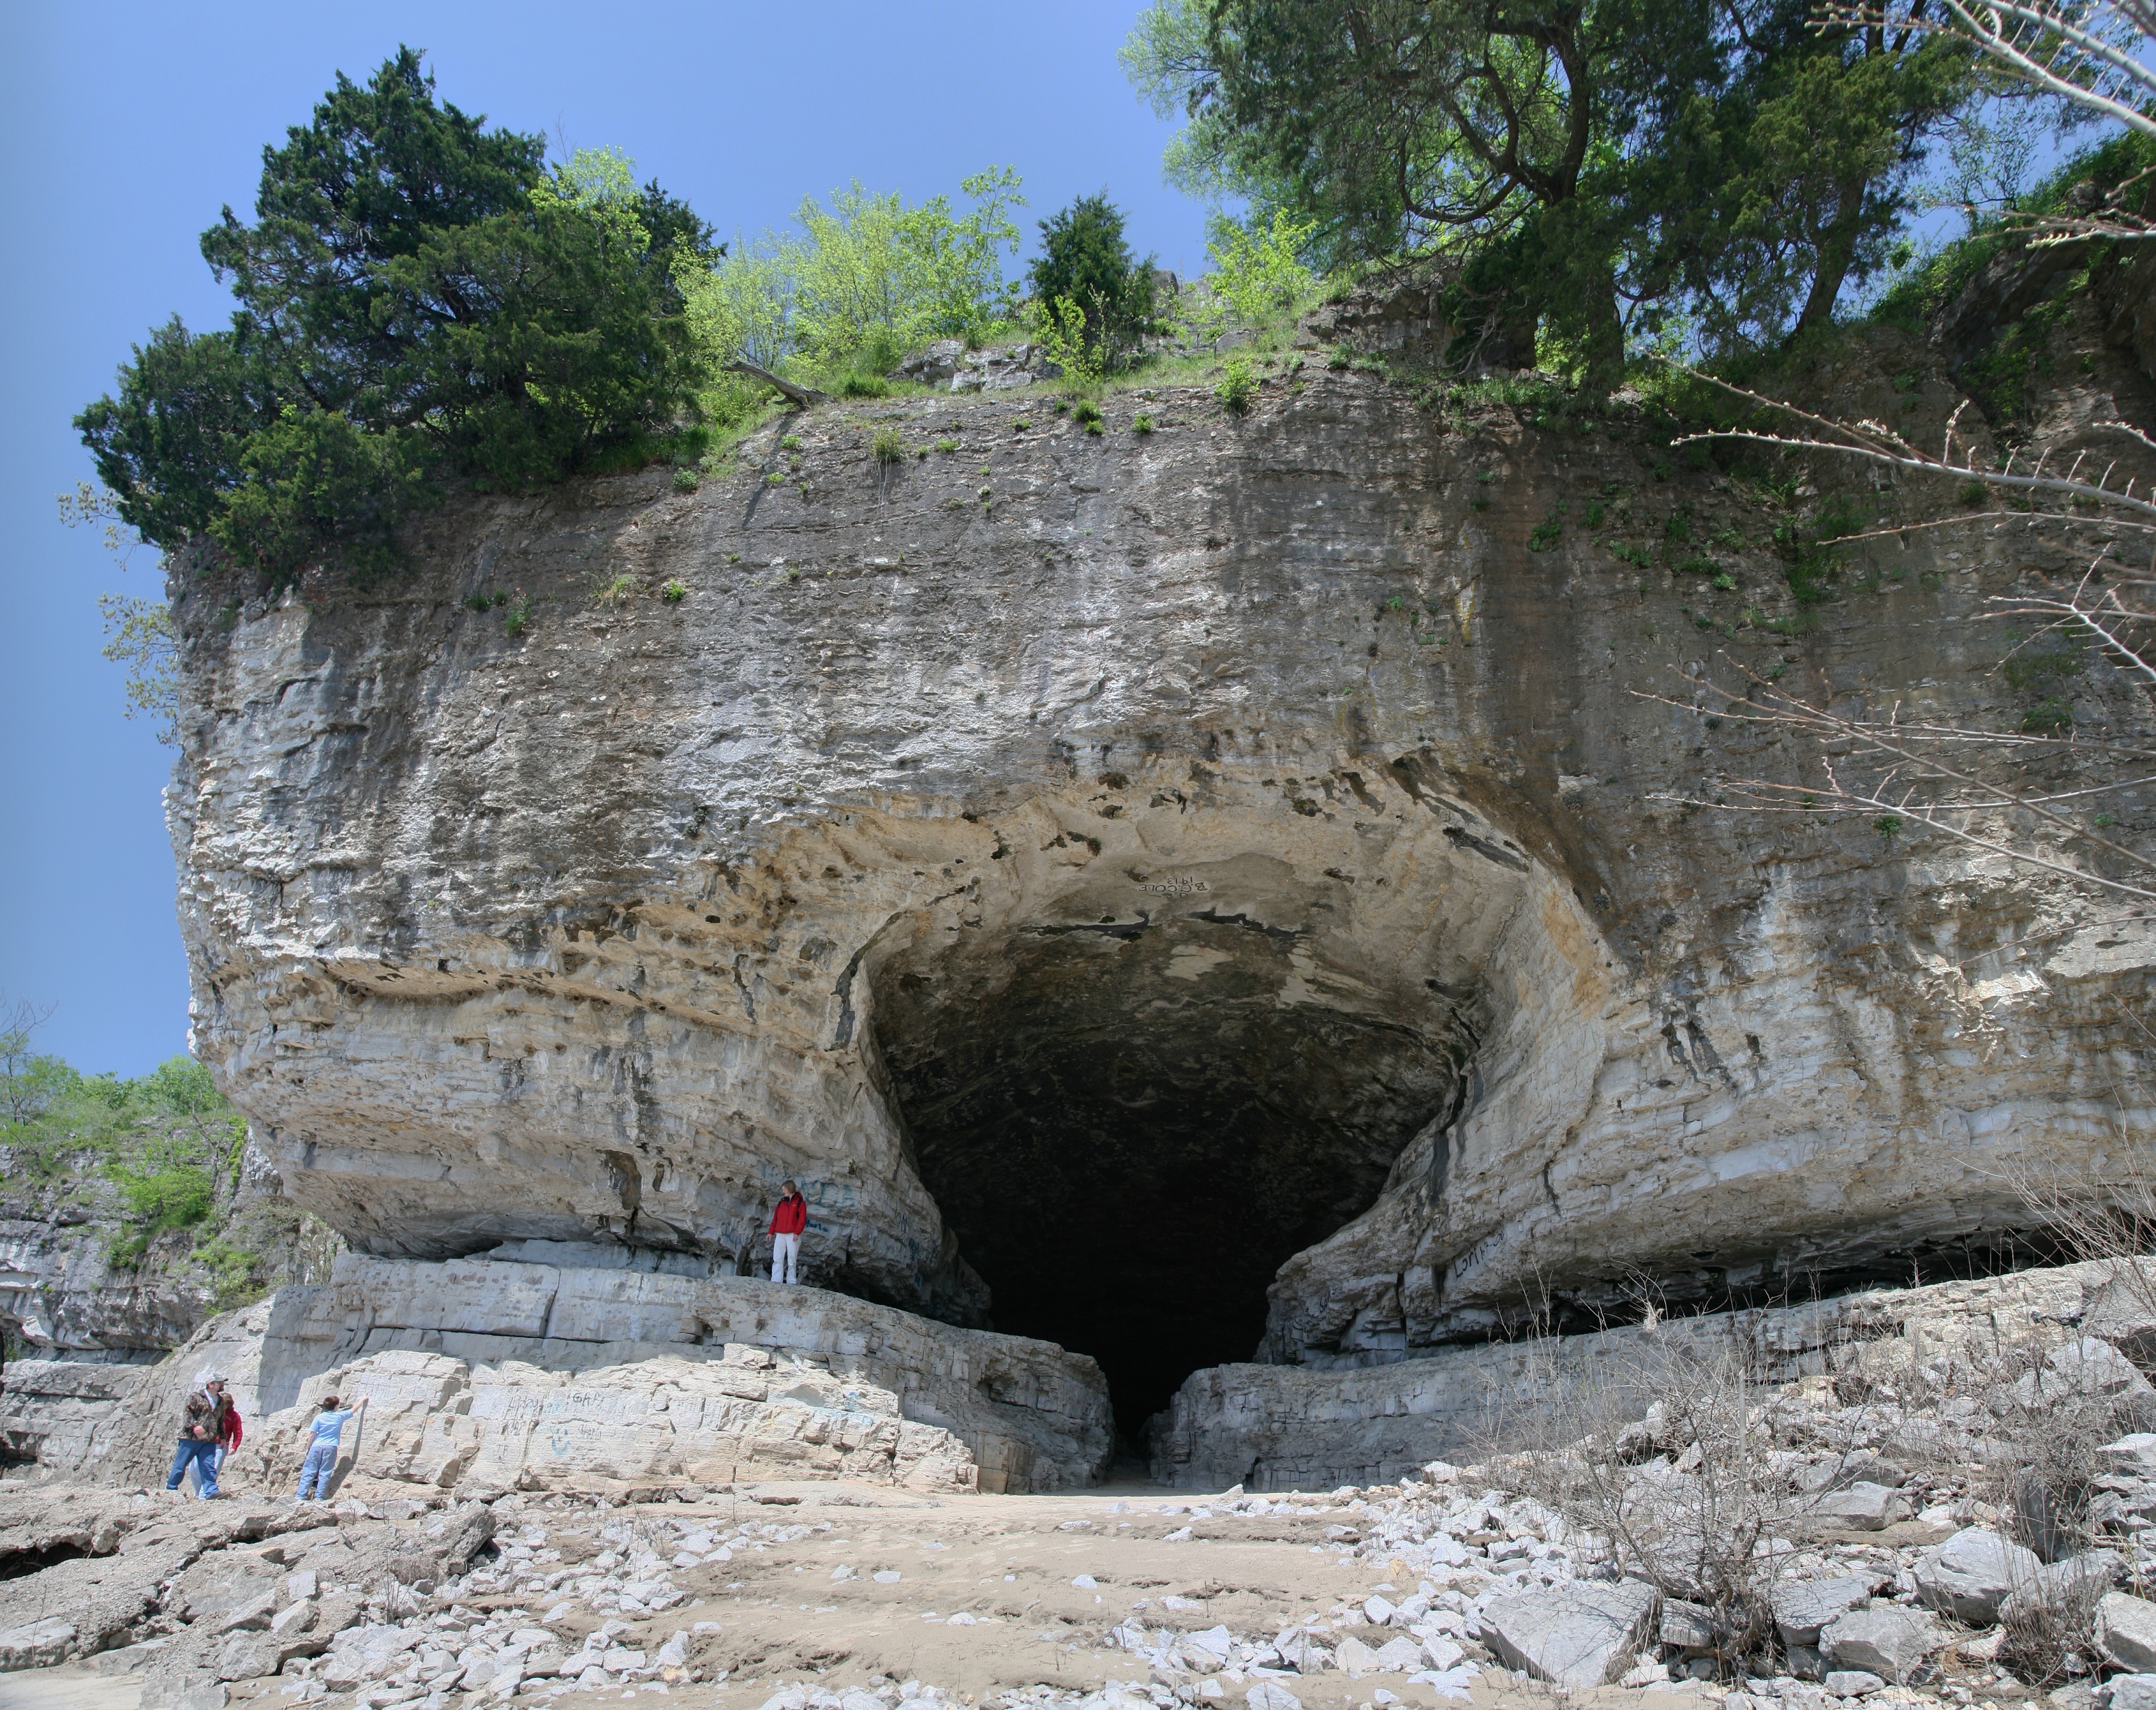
x: 1216, y: 881
x: 1282, y: 1428
x: 518, y: 1375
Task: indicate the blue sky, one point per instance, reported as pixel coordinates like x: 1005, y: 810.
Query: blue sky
x: 125, y: 128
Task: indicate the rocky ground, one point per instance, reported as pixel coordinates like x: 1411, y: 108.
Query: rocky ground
x: 1879, y: 1563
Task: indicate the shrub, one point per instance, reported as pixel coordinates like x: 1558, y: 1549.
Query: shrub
x: 1087, y: 415
x: 789, y: 442
x: 861, y: 385
x: 675, y: 592
x: 887, y: 445
x: 1141, y: 423
x: 1256, y: 271
x: 177, y: 1197
x: 518, y: 617
x: 685, y: 480
x: 1059, y: 328
x: 1236, y: 388
x: 855, y: 286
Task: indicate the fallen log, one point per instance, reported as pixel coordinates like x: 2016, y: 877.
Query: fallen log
x: 803, y: 395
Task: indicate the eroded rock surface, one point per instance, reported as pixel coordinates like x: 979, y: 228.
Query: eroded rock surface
x: 1132, y: 868
x: 515, y: 1375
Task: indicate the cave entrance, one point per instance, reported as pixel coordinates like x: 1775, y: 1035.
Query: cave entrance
x: 1131, y: 1121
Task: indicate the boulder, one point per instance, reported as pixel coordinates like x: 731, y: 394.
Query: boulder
x: 254, y: 1656
x: 1688, y: 1627
x: 1890, y: 1642
x: 935, y: 365
x: 2087, y: 1368
x: 1862, y: 1507
x: 2132, y: 1691
x: 2075, y: 1584
x: 39, y: 1644
x: 1356, y: 1657
x: 1973, y: 1573
x: 1578, y: 1636
x: 1801, y: 1607
x: 2126, y: 1630
x: 1853, y: 1683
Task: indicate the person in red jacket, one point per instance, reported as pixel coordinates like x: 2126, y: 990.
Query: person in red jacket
x: 787, y: 1219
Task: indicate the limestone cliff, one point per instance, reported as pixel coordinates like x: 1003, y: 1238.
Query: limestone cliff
x: 1209, y: 882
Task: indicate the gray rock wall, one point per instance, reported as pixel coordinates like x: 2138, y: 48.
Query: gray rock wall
x: 999, y: 1412
x: 1144, y: 863
x: 1289, y: 1428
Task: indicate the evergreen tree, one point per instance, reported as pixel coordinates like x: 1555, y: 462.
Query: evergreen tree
x: 419, y: 299
x: 1085, y: 258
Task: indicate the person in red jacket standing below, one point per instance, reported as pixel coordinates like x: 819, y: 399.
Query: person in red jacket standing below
x: 787, y: 1221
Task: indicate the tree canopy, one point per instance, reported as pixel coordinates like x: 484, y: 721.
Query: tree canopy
x: 419, y: 297
x: 1589, y: 168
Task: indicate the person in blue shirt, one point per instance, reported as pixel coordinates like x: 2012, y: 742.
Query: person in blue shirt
x: 328, y: 1429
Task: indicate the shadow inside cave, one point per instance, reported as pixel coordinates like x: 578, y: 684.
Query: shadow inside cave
x: 1130, y: 1125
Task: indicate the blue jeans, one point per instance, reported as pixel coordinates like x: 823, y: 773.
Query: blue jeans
x: 203, y: 1456
x: 316, y: 1469
x: 218, y: 1462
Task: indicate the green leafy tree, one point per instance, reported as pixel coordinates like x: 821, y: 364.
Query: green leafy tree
x: 418, y: 299
x: 1257, y: 270
x: 1797, y: 177
x: 1583, y: 167
x: 856, y: 285
x: 1085, y: 258
x: 1168, y: 59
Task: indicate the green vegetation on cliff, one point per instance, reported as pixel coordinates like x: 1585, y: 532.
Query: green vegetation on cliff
x: 152, y: 1165
x: 419, y: 299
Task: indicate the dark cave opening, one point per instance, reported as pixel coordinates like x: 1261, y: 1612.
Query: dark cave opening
x: 1129, y: 1126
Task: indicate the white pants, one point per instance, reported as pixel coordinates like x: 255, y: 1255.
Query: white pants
x: 784, y: 1251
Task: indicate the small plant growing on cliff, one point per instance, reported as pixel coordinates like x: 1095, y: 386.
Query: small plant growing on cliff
x: 485, y: 601
x: 1237, y: 387
x: 947, y: 446
x: 1548, y: 533
x: 1087, y: 415
x: 617, y: 592
x: 887, y: 445
x: 685, y: 480
x: 675, y: 592
x: 790, y: 442
x: 1142, y: 425
x: 519, y: 614
x: 1889, y: 827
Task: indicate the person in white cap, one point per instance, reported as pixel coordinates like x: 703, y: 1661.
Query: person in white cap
x: 202, y: 1428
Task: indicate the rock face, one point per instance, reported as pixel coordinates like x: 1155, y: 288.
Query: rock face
x: 1209, y: 884
x: 515, y: 1375
x: 1290, y: 1428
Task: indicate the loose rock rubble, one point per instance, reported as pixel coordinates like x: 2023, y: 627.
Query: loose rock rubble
x: 1913, y: 1539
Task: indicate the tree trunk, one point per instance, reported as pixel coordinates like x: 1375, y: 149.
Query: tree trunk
x: 1836, y: 250
x: 803, y: 395
x: 1606, y: 342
